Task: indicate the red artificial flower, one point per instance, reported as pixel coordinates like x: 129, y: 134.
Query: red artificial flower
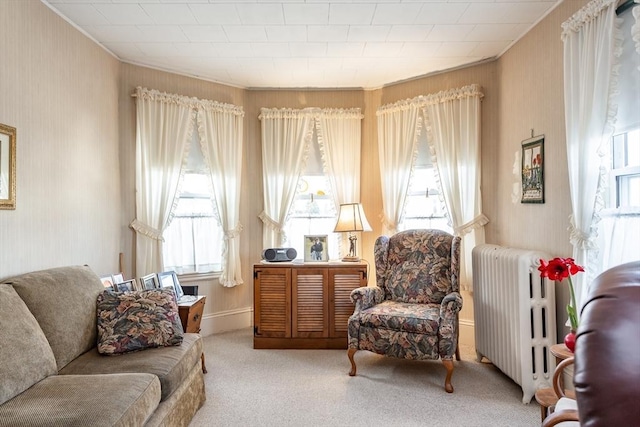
x: 559, y: 269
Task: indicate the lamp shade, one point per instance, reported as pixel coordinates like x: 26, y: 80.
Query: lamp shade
x: 352, y: 218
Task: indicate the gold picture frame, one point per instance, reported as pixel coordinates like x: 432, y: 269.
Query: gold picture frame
x: 7, y: 167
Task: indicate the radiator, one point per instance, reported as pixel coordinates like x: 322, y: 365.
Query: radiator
x: 514, y: 314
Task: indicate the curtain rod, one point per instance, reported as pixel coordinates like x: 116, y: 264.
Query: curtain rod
x: 624, y: 6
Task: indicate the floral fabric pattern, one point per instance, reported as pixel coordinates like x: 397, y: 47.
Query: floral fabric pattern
x: 413, y: 313
x: 132, y: 321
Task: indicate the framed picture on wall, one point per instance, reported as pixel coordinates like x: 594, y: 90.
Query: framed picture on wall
x: 7, y: 167
x: 533, y: 170
x: 316, y: 249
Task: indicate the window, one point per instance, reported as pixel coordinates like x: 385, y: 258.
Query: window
x: 624, y: 177
x: 312, y: 211
x: 193, y: 239
x: 423, y: 206
x: 619, y: 227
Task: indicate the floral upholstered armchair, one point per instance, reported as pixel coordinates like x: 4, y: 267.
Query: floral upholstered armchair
x: 412, y: 313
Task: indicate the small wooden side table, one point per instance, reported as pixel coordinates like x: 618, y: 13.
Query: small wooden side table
x: 190, y: 316
x: 546, y: 397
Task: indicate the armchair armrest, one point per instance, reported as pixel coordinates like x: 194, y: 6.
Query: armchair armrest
x: 560, y: 417
x: 366, y: 297
x: 450, y: 306
x: 558, y: 374
x: 567, y: 413
x: 448, y: 330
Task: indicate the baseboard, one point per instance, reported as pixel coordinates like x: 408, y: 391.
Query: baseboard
x: 243, y: 318
x: 229, y: 320
x: 467, y: 332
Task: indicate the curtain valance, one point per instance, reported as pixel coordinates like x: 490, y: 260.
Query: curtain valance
x: 186, y: 101
x: 315, y: 113
x: 587, y: 14
x: 436, y: 98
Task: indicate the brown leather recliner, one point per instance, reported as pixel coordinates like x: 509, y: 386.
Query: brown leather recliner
x: 607, y: 356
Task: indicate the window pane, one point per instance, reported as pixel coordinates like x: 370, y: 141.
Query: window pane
x: 629, y: 190
x: 423, y: 207
x: 633, y: 148
x: 196, y: 185
x: 312, y: 213
x: 193, y: 240
x: 193, y: 245
x: 619, y: 150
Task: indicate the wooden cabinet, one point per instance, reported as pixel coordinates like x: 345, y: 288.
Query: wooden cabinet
x: 304, y: 305
x: 191, y: 314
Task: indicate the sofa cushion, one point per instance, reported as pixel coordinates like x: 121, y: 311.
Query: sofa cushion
x: 170, y: 364
x: 82, y: 400
x: 63, y: 301
x: 25, y: 354
x: 405, y: 317
x: 132, y: 321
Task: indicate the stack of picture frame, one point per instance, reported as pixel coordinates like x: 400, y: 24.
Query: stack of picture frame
x: 117, y: 283
x: 164, y: 280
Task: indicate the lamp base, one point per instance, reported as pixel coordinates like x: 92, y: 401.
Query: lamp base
x: 351, y: 259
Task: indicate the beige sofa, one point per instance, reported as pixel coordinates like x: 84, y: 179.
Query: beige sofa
x: 53, y: 375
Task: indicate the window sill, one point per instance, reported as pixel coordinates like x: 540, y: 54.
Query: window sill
x: 198, y: 277
x: 630, y: 211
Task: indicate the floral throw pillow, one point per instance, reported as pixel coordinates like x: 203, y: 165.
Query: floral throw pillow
x: 132, y: 321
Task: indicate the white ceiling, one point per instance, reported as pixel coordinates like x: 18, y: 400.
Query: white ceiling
x: 304, y: 43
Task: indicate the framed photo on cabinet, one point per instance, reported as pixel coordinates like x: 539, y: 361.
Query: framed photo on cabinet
x: 107, y: 282
x: 126, y: 286
x: 150, y: 281
x: 169, y: 280
x: 316, y: 249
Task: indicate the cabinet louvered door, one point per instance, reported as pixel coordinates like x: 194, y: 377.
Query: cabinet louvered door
x: 272, y: 299
x: 342, y: 282
x: 310, y: 305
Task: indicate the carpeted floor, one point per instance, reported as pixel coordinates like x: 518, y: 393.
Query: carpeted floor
x: 247, y: 387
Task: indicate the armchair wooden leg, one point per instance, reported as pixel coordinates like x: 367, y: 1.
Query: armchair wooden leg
x: 458, y: 353
x: 350, y: 353
x: 448, y: 364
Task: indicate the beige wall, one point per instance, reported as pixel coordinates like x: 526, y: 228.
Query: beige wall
x: 72, y: 106
x: 59, y: 90
x: 530, y: 76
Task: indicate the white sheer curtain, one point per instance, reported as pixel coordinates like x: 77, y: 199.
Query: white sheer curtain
x: 220, y: 130
x: 164, y: 124
x: 339, y: 135
x: 398, y: 129
x: 286, y: 134
x: 452, y: 119
x: 589, y: 45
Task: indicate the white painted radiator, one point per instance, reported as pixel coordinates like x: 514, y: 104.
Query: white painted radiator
x: 514, y: 314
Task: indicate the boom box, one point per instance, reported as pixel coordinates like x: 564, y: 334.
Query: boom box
x: 279, y: 254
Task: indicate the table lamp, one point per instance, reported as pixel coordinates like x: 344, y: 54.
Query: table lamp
x: 352, y: 219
